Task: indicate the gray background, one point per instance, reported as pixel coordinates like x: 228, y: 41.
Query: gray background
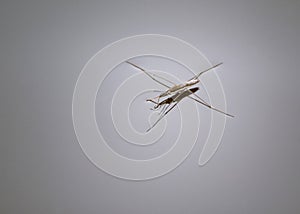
x: 44, y: 45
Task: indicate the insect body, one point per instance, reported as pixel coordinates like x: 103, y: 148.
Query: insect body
x: 176, y: 92
x: 178, y: 87
x: 175, y: 98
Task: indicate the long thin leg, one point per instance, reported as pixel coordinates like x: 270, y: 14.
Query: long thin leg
x: 156, y: 104
x: 152, y: 101
x: 209, y: 106
x: 202, y: 72
x: 198, y: 97
x: 163, y: 78
x: 165, y: 107
x: 154, y: 90
x: 148, y: 74
x: 161, y: 117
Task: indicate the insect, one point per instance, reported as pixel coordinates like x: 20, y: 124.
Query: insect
x: 176, y: 93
